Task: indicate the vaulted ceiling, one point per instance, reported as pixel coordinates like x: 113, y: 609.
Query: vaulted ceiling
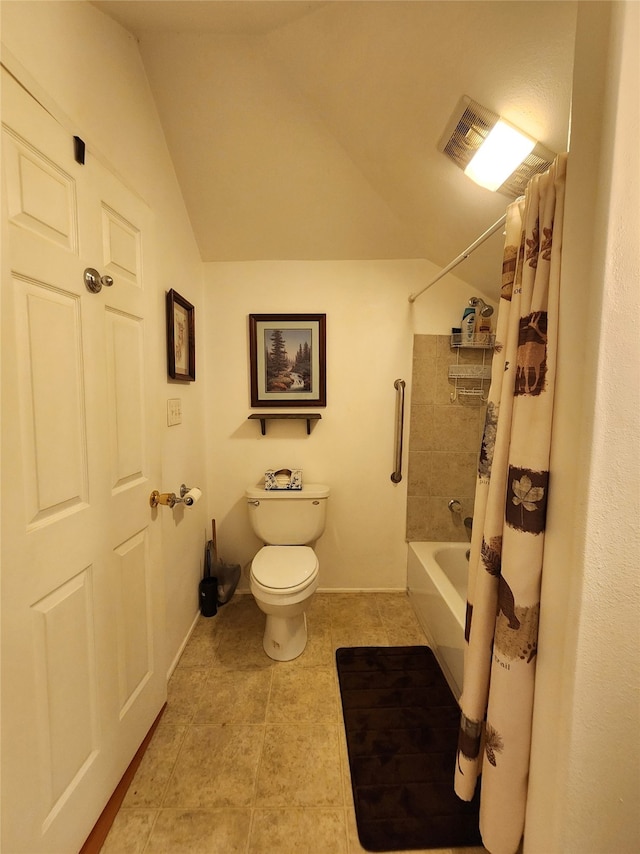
x: 309, y: 130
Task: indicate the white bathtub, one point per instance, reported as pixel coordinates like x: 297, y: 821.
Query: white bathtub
x: 437, y: 584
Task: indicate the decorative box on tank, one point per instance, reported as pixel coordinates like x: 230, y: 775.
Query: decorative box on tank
x: 283, y: 479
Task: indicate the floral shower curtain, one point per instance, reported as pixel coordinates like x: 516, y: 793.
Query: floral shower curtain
x: 507, y: 543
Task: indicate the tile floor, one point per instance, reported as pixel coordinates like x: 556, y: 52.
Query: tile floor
x: 250, y: 755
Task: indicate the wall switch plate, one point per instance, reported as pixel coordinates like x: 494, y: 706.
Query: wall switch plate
x: 174, y: 411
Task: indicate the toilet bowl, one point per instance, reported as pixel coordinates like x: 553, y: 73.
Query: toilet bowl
x: 282, y: 580
x: 285, y: 571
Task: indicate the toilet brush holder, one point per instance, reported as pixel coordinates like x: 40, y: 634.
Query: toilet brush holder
x: 209, y: 596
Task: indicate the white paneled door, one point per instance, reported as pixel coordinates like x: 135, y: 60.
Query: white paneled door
x: 83, y: 674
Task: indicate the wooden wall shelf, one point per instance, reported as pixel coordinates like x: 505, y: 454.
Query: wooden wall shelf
x: 263, y: 417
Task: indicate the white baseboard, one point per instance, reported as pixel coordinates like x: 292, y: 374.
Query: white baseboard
x: 175, y: 661
x: 343, y: 590
x: 361, y: 590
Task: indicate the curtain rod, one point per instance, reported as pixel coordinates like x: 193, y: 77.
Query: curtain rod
x: 463, y: 256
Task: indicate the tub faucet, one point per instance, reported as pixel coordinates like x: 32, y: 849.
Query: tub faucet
x: 468, y: 524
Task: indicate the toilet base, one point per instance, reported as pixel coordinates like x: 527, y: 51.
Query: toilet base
x: 285, y: 637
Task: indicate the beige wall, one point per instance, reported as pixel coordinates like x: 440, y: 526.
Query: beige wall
x: 369, y: 345
x: 444, y: 439
x: 585, y: 768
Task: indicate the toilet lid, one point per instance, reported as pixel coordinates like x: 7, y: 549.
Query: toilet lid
x: 281, y: 567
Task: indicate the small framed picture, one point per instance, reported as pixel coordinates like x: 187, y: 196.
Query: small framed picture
x: 181, y: 338
x: 287, y: 354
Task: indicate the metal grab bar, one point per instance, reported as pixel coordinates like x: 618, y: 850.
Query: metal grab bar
x: 396, y: 476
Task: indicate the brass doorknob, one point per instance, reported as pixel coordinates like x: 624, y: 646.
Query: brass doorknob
x: 166, y: 498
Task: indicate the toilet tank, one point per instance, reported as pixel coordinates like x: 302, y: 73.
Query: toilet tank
x: 288, y: 517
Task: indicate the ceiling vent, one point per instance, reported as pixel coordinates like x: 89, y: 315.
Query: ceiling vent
x: 467, y: 130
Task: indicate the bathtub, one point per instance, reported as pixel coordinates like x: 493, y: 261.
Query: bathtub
x: 437, y: 586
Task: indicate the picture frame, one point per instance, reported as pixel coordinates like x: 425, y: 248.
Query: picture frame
x: 287, y: 355
x: 181, y: 338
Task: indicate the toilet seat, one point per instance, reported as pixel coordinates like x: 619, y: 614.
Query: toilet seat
x: 284, y: 568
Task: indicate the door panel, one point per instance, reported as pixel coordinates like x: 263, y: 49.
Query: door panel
x: 131, y: 564
x: 62, y: 629
x: 41, y: 196
x: 82, y: 600
x: 55, y: 453
x: 121, y: 246
x: 125, y: 369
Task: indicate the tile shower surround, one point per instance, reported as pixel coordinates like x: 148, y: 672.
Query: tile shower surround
x: 250, y: 755
x: 444, y: 441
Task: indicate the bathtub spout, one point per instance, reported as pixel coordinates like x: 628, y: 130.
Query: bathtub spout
x: 468, y: 524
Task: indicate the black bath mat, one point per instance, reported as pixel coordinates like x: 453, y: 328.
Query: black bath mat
x: 402, y: 721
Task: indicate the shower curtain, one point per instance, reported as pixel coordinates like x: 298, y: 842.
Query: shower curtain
x: 505, y: 565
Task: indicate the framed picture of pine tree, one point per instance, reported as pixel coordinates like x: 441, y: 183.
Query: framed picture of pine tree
x: 287, y: 355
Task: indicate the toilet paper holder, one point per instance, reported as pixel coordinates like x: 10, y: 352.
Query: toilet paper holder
x: 188, y: 496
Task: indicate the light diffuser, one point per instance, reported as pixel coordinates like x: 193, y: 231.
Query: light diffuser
x: 503, y: 150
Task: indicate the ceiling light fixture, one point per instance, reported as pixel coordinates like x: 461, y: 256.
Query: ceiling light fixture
x: 467, y: 130
x: 499, y: 155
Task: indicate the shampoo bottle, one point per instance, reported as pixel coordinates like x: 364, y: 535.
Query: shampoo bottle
x: 468, y: 325
x: 483, y: 330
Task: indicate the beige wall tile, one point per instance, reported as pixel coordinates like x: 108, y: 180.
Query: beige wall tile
x: 423, y: 385
x: 421, y: 434
x: 444, y: 388
x: 424, y: 347
x: 417, y: 516
x: 419, y: 474
x: 455, y: 428
x: 453, y: 473
x: 423, y: 372
x: 444, y: 441
x: 444, y: 526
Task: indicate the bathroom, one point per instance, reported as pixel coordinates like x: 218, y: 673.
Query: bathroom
x: 370, y: 328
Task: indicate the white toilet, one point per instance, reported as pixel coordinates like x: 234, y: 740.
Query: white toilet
x: 284, y: 573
